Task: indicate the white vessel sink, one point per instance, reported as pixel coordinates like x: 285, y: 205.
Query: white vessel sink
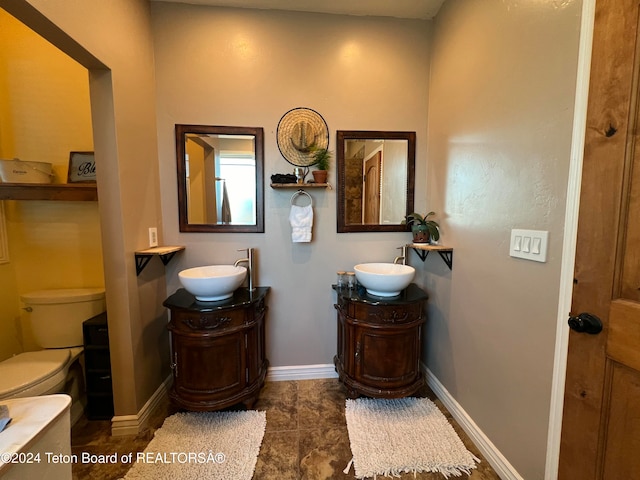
x: 384, y: 279
x: 212, y: 282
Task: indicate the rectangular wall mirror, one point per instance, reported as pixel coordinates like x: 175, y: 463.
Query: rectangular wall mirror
x: 220, y: 178
x: 376, y: 180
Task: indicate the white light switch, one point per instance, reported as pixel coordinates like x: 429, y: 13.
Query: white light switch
x: 529, y: 244
x: 517, y: 243
x: 535, y: 248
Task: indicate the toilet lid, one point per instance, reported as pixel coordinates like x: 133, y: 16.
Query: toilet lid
x: 29, y: 368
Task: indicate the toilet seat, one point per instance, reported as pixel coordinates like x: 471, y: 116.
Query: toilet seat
x: 33, y: 373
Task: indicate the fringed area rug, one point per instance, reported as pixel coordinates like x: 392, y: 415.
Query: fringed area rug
x: 202, y: 445
x: 405, y: 435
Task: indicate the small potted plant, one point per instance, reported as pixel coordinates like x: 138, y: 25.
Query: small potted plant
x: 423, y: 230
x: 321, y: 157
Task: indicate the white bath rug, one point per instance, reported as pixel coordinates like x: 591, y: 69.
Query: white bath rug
x: 202, y: 445
x: 405, y: 435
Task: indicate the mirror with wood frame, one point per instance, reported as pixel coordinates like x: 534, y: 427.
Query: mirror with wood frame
x: 376, y: 180
x: 220, y: 178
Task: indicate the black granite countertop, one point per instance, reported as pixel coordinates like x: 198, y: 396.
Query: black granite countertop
x: 412, y: 293
x: 182, y: 299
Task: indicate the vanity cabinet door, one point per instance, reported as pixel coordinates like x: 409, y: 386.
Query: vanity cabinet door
x: 387, y: 357
x: 208, y: 369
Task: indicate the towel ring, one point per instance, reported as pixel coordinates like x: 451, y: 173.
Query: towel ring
x: 302, y: 192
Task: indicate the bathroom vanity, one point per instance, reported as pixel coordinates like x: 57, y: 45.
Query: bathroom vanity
x: 218, y: 349
x: 380, y: 342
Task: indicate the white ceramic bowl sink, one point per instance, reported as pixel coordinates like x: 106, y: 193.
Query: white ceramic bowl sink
x: 384, y: 279
x: 212, y: 282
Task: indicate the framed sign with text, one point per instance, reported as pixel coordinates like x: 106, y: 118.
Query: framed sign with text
x: 82, y: 167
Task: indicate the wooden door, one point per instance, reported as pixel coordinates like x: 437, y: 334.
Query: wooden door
x: 601, y: 419
x: 372, y: 189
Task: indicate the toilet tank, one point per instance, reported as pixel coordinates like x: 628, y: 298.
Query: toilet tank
x: 56, y: 316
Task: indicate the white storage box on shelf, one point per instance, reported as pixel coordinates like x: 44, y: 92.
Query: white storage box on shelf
x: 17, y: 171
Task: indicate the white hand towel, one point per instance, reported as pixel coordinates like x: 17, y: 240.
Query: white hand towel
x: 301, y: 220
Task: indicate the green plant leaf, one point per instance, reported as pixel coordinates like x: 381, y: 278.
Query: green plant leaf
x: 417, y: 219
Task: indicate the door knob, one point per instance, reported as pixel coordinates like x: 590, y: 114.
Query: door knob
x: 585, y: 322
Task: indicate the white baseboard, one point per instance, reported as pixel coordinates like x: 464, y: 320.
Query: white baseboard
x: 134, y: 424
x: 499, y: 463
x: 301, y: 372
x: 503, y: 468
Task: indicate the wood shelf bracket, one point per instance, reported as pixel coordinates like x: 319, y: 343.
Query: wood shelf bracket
x: 165, y: 253
x: 446, y: 253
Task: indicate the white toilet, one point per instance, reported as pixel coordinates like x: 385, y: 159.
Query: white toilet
x: 56, y: 320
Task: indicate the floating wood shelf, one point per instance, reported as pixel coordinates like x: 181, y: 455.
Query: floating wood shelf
x: 165, y: 254
x: 302, y: 185
x: 423, y: 249
x: 49, y: 191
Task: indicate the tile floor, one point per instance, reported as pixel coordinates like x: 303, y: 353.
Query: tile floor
x: 306, y: 436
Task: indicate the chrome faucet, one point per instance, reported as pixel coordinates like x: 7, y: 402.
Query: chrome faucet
x: 249, y: 261
x: 402, y: 258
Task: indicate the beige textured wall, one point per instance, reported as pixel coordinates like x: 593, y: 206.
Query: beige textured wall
x: 218, y: 66
x: 501, y: 103
x: 501, y: 91
x: 117, y: 35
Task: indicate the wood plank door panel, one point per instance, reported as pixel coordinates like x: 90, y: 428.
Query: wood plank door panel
x: 621, y: 439
x: 601, y: 417
x: 372, y: 169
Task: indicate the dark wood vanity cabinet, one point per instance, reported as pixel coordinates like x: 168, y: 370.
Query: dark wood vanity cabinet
x: 218, y: 349
x: 380, y: 342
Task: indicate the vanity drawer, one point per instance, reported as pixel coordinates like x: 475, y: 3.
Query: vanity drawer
x: 189, y: 321
x: 389, y: 314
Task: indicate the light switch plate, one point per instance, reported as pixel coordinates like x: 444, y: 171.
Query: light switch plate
x: 529, y: 244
